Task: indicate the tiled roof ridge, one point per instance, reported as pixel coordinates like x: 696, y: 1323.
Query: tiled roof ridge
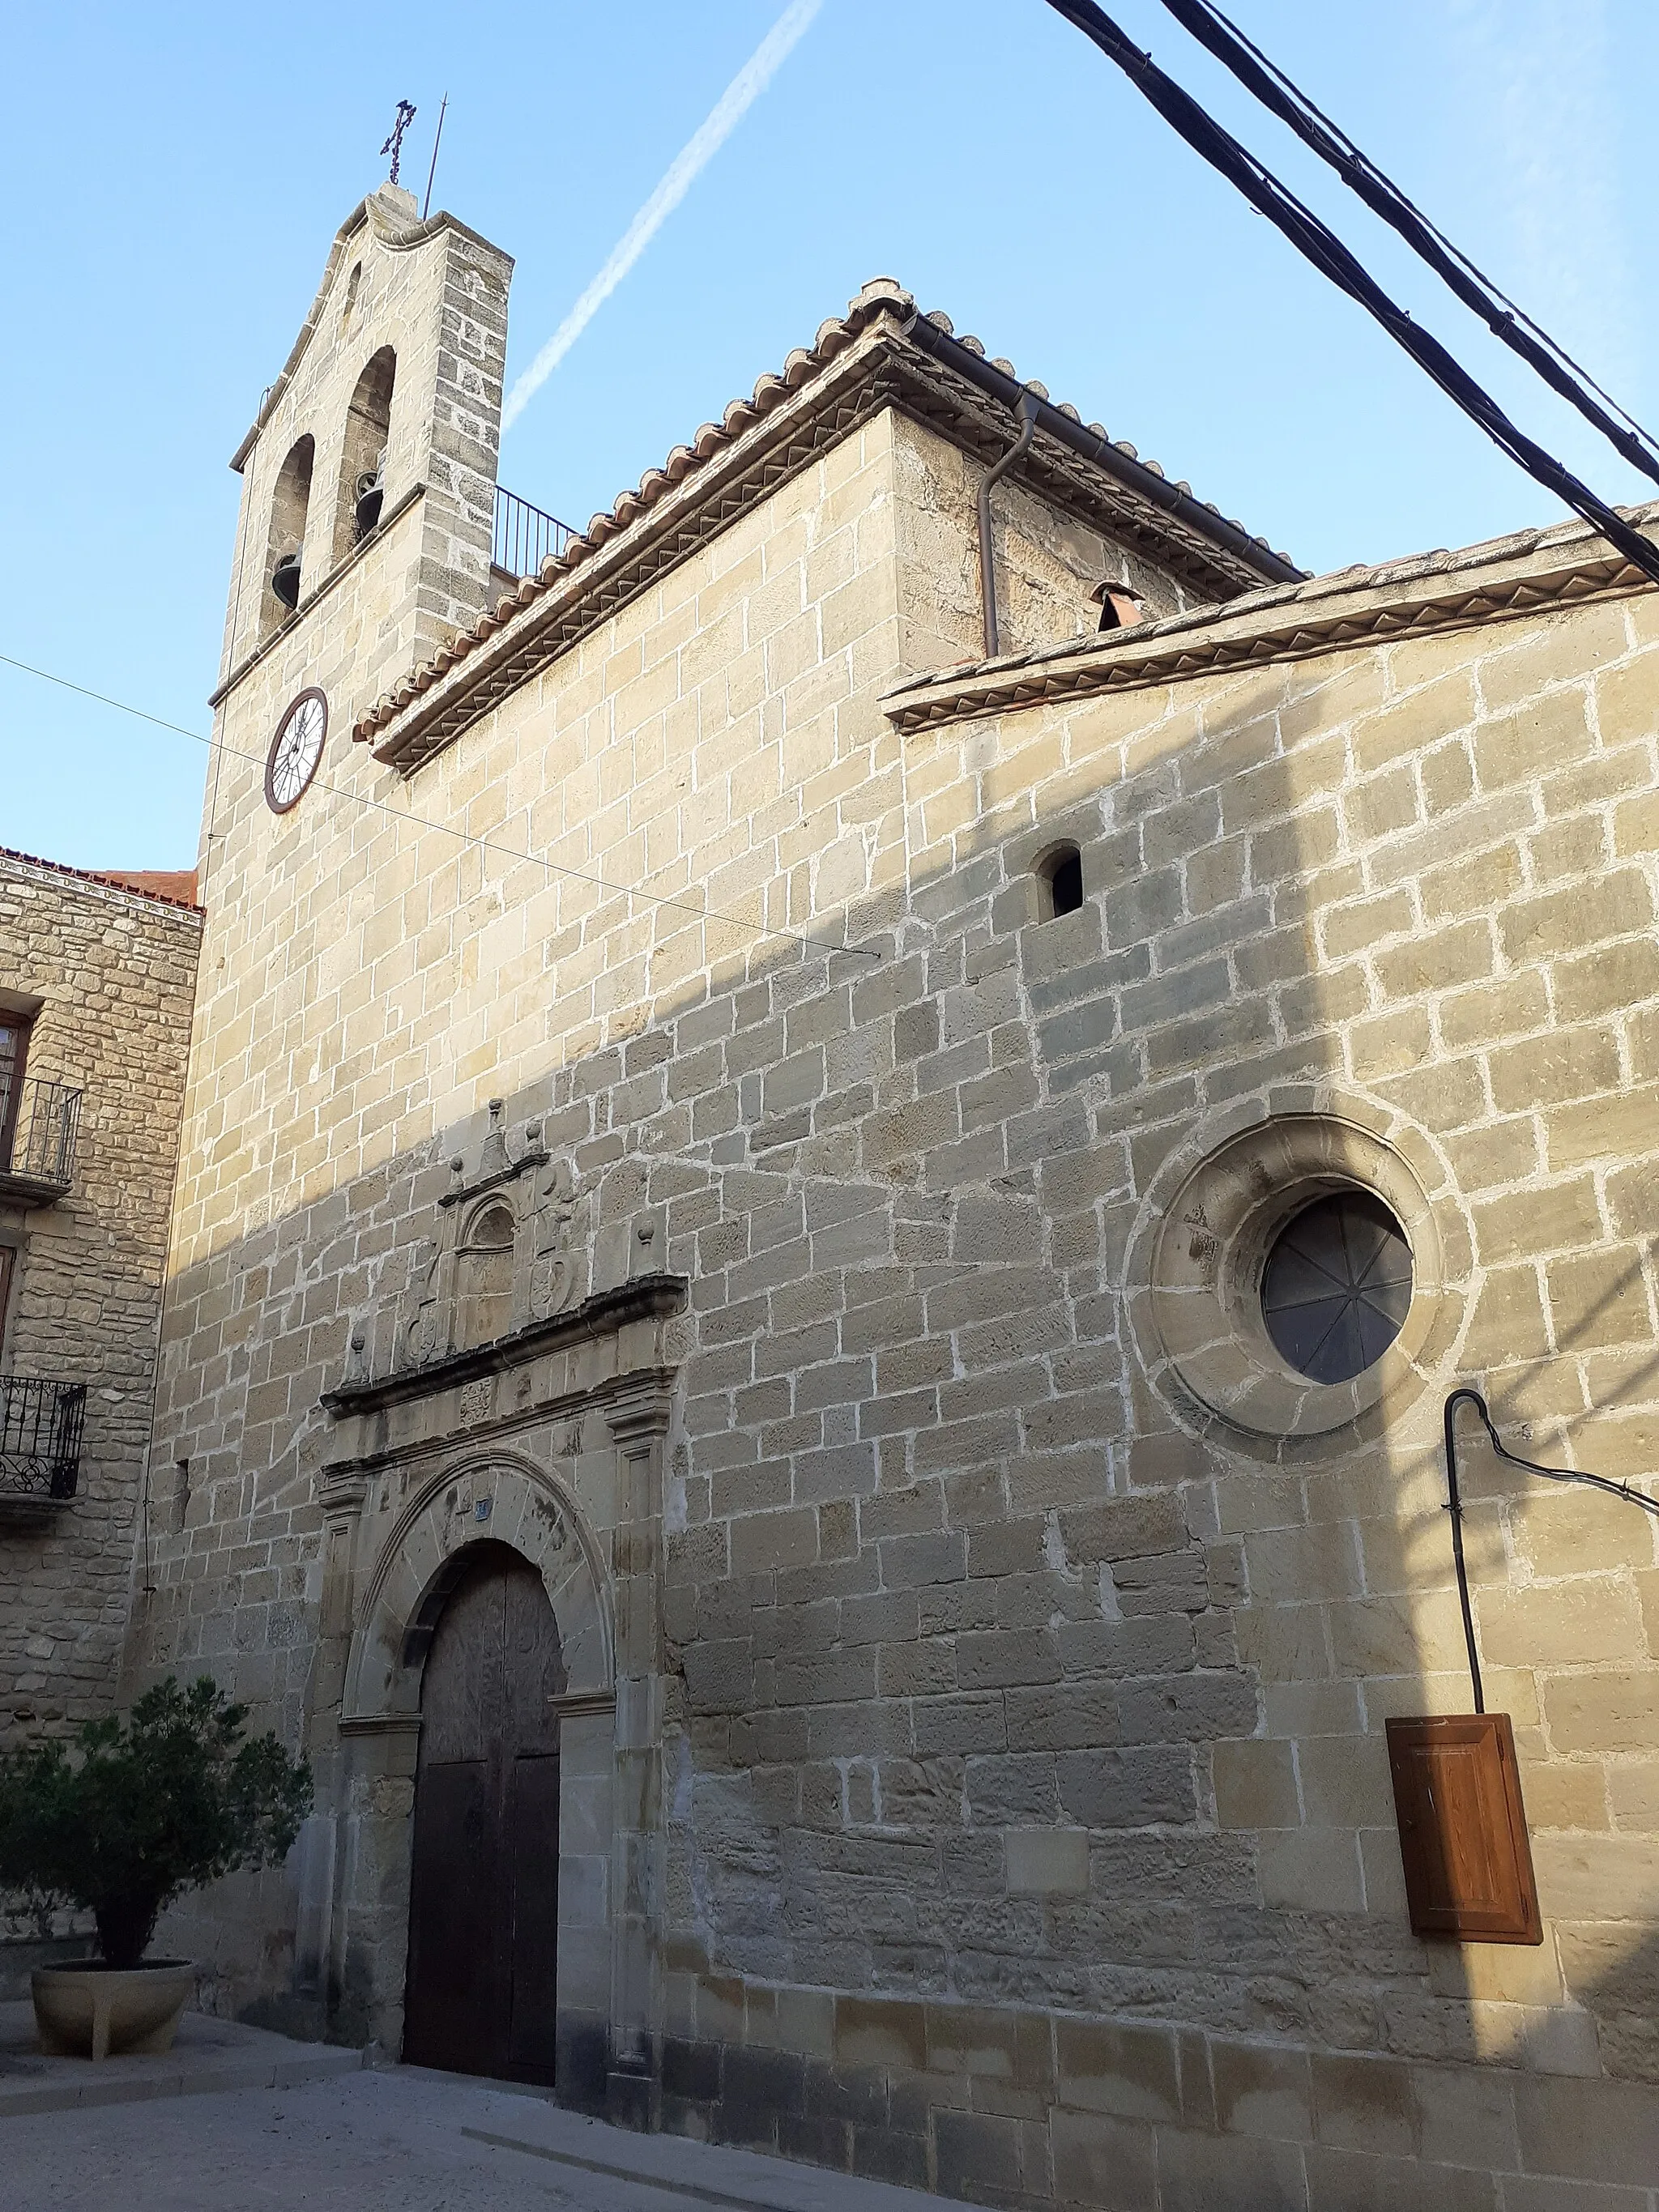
x: 882, y: 296
x: 1291, y: 622
x: 834, y: 335
x: 968, y: 343
x: 113, y: 883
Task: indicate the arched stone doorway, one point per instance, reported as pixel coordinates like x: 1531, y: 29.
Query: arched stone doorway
x: 575, y: 1488
x: 481, y: 1987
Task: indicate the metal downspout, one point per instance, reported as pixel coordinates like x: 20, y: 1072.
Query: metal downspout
x: 1266, y: 566
x: 997, y: 470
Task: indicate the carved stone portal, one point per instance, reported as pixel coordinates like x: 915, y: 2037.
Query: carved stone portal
x: 519, y: 1392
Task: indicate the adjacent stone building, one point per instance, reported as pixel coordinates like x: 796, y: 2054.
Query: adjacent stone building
x: 740, y: 1316
x: 97, y: 974
x: 96, y: 981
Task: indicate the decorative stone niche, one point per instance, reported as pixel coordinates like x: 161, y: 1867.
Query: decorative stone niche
x: 483, y: 1276
x: 510, y: 1247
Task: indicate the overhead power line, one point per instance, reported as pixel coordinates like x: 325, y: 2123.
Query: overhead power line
x: 1261, y: 76
x: 1320, y: 245
x: 446, y: 829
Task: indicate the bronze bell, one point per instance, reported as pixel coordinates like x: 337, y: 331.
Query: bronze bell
x: 285, y: 580
x: 371, y: 496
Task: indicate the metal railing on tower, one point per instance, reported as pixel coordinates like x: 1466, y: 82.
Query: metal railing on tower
x: 525, y: 536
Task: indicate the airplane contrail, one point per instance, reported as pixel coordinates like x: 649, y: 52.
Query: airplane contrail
x: 746, y: 88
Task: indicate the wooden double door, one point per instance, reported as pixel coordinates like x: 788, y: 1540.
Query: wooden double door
x: 484, y: 1915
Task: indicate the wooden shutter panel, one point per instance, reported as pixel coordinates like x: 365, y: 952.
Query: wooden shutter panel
x: 1463, y: 1829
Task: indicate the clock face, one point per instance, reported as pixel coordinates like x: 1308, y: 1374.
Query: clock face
x: 295, y: 751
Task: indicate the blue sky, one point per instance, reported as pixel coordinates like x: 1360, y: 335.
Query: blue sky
x: 173, y: 176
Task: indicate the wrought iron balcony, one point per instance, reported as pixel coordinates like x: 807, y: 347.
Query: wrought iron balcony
x: 525, y: 536
x: 41, y: 1426
x: 37, y: 1165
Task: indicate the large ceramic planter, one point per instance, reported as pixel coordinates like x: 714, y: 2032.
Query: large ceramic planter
x: 95, y: 2011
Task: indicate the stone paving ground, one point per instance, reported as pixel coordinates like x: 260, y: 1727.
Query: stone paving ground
x: 399, y: 2141
x: 207, y: 2054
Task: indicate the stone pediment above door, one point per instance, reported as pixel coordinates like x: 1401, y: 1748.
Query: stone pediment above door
x: 519, y: 1268
x: 509, y: 1246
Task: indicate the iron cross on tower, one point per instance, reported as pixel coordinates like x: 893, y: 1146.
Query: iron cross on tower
x: 394, y: 144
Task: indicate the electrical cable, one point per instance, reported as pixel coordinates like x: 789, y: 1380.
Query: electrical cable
x: 1320, y: 245
x: 1555, y: 1473
x: 1263, y: 76
x: 1464, y: 1395
x: 446, y: 828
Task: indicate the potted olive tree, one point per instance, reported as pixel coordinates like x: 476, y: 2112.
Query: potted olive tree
x: 121, y: 1819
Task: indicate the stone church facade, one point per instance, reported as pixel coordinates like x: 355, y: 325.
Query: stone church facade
x: 723, y: 1117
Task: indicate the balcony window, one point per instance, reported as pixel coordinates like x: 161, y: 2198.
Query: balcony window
x: 14, y: 1051
x: 38, y: 1139
x: 41, y: 1426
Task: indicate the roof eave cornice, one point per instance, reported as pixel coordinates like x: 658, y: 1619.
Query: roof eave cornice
x: 623, y: 553
x: 1502, y: 581
x: 53, y: 873
x: 857, y: 367
x: 1169, y: 514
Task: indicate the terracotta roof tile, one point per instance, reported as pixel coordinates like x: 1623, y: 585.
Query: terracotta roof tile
x: 167, y: 886
x: 833, y: 337
x: 881, y: 296
x: 176, y: 885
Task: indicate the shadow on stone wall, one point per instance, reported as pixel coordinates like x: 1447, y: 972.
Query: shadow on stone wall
x: 995, y: 1679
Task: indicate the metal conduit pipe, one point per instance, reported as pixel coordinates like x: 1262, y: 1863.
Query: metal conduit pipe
x: 1269, y: 567
x: 993, y: 475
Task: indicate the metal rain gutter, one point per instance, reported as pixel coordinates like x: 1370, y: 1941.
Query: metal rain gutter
x: 1155, y: 490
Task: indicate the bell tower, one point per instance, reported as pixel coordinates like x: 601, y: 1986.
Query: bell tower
x: 368, y: 477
